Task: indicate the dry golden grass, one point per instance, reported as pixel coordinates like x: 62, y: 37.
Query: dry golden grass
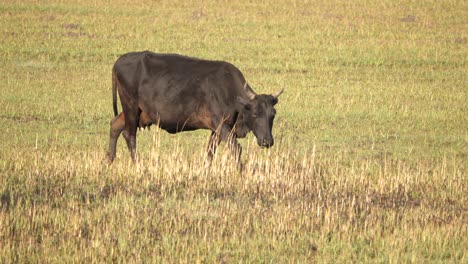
x: 283, y: 207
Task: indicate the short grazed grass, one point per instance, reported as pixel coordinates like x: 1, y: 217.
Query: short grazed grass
x: 369, y: 162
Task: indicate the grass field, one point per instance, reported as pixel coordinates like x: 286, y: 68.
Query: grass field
x: 371, y: 142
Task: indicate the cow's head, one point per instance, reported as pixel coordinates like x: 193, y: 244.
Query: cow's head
x: 258, y: 113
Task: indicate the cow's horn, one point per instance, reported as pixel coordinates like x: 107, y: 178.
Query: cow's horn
x: 249, y: 92
x: 278, y: 93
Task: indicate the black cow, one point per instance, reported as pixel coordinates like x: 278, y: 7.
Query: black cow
x: 180, y: 93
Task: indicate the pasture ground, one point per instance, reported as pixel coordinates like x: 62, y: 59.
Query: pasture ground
x: 371, y: 136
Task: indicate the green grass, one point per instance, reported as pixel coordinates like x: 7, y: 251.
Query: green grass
x: 369, y: 163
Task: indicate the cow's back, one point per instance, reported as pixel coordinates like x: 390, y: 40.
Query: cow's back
x: 178, y: 76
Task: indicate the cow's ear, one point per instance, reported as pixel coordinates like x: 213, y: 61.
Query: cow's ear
x: 274, y: 101
x: 244, y: 102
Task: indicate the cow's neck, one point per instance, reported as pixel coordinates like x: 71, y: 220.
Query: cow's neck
x: 242, y: 127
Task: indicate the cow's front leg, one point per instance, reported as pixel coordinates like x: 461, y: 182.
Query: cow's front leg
x: 213, y: 145
x: 235, y: 148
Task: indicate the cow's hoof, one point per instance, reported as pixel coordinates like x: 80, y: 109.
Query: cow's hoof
x: 109, y: 159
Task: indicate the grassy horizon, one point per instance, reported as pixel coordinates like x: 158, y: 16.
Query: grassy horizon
x: 369, y: 162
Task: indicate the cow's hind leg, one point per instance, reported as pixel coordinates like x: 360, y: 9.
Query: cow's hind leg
x: 116, y: 126
x: 131, y: 125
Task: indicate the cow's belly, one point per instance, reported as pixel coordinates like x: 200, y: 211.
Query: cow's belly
x: 176, y: 117
x: 174, y: 123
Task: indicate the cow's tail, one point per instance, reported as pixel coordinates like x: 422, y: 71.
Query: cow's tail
x: 114, y: 93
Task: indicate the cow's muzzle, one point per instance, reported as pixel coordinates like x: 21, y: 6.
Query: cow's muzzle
x: 265, y: 142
